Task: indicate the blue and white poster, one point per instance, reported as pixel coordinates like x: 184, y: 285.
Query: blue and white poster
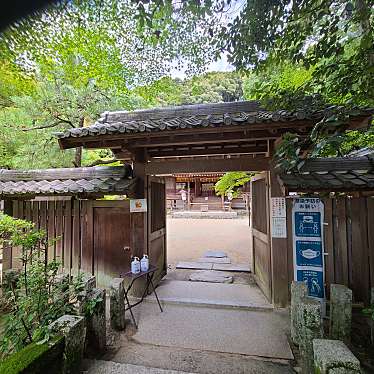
x: 308, y: 247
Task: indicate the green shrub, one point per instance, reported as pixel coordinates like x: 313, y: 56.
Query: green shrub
x: 36, y: 299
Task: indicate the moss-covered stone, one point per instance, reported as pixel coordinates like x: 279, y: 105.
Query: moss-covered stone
x: 333, y: 356
x: 36, y: 359
x: 74, y: 331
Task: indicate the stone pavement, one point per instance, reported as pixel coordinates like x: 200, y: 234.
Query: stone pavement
x: 193, y: 360
x: 242, y: 296
x: 253, y: 333
x: 213, y: 266
x: 109, y: 367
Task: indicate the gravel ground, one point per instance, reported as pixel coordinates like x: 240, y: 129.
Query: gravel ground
x: 189, y: 238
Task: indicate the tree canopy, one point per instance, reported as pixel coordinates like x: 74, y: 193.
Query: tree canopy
x: 65, y: 64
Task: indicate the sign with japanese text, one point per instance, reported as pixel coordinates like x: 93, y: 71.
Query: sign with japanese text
x: 308, y: 247
x: 278, y: 217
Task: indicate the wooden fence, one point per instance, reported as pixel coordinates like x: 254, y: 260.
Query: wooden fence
x: 63, y: 219
x: 349, y: 244
x: 73, y: 222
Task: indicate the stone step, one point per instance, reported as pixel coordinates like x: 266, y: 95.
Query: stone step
x: 211, y: 295
x: 210, y: 276
x: 245, y: 268
x: 110, y: 367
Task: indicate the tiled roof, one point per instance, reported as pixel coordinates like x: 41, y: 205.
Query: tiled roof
x: 191, y: 116
x: 332, y: 174
x: 65, y: 181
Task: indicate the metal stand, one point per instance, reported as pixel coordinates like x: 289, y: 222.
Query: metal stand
x: 149, y: 276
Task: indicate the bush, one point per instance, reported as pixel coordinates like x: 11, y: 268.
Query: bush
x: 36, y: 297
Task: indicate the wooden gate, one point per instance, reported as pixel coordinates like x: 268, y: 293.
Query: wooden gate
x: 261, y: 241
x: 156, y: 225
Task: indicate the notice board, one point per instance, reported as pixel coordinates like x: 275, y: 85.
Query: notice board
x: 308, y: 246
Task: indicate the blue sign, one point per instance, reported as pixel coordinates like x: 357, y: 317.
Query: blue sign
x: 308, y: 244
x: 309, y: 253
x: 308, y: 224
x: 314, y: 279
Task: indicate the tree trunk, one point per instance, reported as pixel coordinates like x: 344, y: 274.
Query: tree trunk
x: 78, y: 151
x: 78, y: 157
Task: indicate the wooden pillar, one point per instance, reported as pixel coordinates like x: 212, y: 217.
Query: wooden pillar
x: 279, y: 252
x: 7, y: 250
x: 139, y: 236
x: 139, y: 220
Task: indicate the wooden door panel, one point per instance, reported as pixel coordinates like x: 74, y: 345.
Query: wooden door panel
x: 157, y: 225
x: 111, y: 234
x: 261, y: 249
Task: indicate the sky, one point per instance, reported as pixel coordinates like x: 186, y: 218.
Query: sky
x: 221, y: 65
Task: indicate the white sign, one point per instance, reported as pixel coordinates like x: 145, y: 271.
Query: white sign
x: 138, y: 205
x: 278, y: 207
x: 278, y: 227
x: 308, y: 246
x: 278, y: 217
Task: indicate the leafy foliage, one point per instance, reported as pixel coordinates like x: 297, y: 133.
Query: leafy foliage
x: 303, y: 54
x: 206, y: 88
x: 231, y: 182
x: 35, y: 297
x: 369, y: 312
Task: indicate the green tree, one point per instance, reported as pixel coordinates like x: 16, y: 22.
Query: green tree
x: 54, y: 106
x: 210, y: 87
x: 231, y: 182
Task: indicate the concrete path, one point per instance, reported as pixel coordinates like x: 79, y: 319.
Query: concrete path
x: 109, y: 367
x: 220, y: 330
x: 243, y: 296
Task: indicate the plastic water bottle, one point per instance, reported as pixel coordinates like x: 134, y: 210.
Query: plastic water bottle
x: 135, y: 265
x: 144, y: 263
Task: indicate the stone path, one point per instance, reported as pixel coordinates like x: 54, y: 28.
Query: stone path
x: 193, y: 360
x: 110, y: 367
x: 222, y: 260
x: 241, y: 296
x: 210, y: 276
x: 212, y: 266
x: 215, y: 254
x: 220, y: 330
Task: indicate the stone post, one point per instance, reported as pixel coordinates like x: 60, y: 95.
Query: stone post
x: 340, y: 312
x: 117, y: 304
x: 74, y: 331
x: 89, y: 282
x: 310, y: 319
x: 299, y: 290
x: 96, y: 321
x: 333, y: 356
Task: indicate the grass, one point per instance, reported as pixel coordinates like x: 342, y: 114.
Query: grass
x: 2, y: 323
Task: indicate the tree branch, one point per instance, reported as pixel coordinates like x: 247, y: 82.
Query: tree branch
x: 102, y: 162
x: 42, y: 127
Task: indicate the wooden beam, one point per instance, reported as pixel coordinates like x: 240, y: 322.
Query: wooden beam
x: 205, y: 151
x: 244, y: 163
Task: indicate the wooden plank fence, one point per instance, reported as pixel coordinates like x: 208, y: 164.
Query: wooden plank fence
x: 70, y: 221
x: 349, y: 242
